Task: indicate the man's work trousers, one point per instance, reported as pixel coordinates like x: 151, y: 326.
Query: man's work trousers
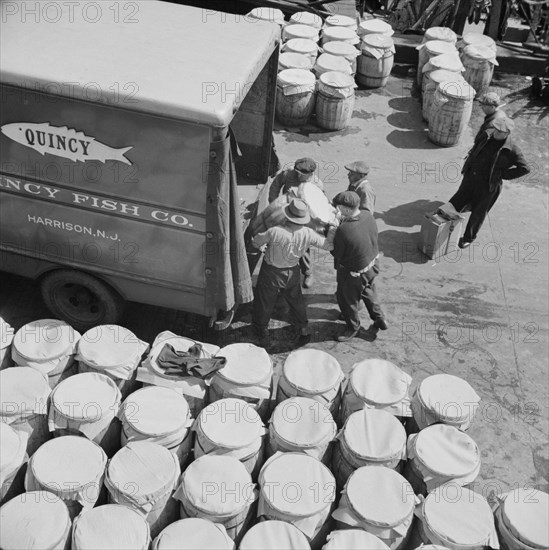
x: 351, y: 290
x: 272, y: 281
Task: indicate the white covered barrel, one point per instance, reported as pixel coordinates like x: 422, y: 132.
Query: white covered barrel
x: 441, y: 454
x: 521, y: 519
x: 370, y: 437
x: 87, y: 405
x: 143, y: 476
x: 375, y: 26
x: 446, y: 61
x: 430, y: 49
x: 376, y: 60
x: 306, y: 18
x: 444, y: 398
x: 231, y: 427
x: 311, y: 373
x: 295, y: 96
x: 327, y: 62
x: 110, y: 527
x: 301, y: 46
x: 376, y: 384
x: 353, y: 539
x: 337, y: 20
x: 457, y: 518
x: 274, y: 535
x: 387, y: 513
x: 36, y: 519
x: 477, y: 39
x: 345, y: 50
x: 13, y: 457
x: 272, y: 15
x: 301, y: 424
x: 339, y: 34
x: 432, y: 80
x: 450, y: 112
x: 479, y: 62
x: 335, y: 100
x: 6, y: 338
x: 293, y: 30
x: 219, y: 489
x: 159, y: 415
x: 114, y: 351
x: 70, y: 467
x: 24, y: 394
x: 192, y: 388
x: 300, y: 490
x: 291, y: 60
x: 443, y: 34
x: 47, y: 345
x: 193, y: 534
x: 247, y: 375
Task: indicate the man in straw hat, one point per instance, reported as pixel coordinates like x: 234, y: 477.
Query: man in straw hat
x: 280, y: 273
x: 358, y: 182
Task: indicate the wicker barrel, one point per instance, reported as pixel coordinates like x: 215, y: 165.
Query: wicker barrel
x: 6, y: 338
x: 306, y: 32
x: 291, y: 60
x: 193, y: 534
x: 353, y: 539
x: 446, y: 61
x: 295, y: 96
x: 327, y: 62
x: 301, y: 46
x: 343, y: 49
x: 433, y: 79
x: 430, y: 49
x: 479, y: 62
x: 13, y: 458
x: 375, y: 26
x: 335, y: 100
x: 340, y: 21
x: 274, y: 535
x: 450, y: 112
x: 376, y: 60
x: 443, y: 34
x: 339, y: 34
x: 477, y: 39
x: 306, y: 18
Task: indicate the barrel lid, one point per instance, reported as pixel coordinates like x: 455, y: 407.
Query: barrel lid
x: 448, y: 396
x: 302, y: 421
x: 294, y: 60
x: 155, y: 411
x: 375, y: 434
x: 328, y: 62
x: 248, y: 364
x: 68, y: 462
x: 297, y: 484
x: 267, y: 14
x: 441, y: 33
x: 23, y: 389
x: 381, y: 41
x: 339, y: 33
x: 45, y: 339
x: 440, y: 75
x: 142, y: 468
x: 354, y: 539
x: 301, y: 45
x: 341, y: 21
x: 193, y: 534
x: 110, y: 527
x: 438, y: 47
x: 312, y: 370
x: 12, y: 446
x: 306, y: 18
x: 462, y: 518
x: 218, y: 485
x: 337, y: 47
x: 525, y: 512
x: 478, y: 39
x: 274, y: 535
x: 6, y: 334
x: 35, y: 519
x: 479, y: 52
x: 379, y: 382
x: 231, y: 423
x: 395, y: 499
x: 447, y: 451
x: 375, y: 26
x: 301, y: 31
x: 86, y: 397
x: 449, y: 61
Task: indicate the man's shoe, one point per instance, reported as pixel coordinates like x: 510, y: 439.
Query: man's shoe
x: 349, y: 334
x: 462, y: 243
x: 308, y: 281
x: 381, y: 324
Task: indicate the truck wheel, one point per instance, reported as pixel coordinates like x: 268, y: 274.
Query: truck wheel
x: 80, y: 299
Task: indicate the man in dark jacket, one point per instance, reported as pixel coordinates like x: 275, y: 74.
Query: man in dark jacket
x: 356, y: 260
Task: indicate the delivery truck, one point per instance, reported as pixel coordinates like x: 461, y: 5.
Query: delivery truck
x: 128, y: 133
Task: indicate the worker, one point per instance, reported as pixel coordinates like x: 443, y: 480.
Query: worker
x: 491, y: 105
x: 358, y: 182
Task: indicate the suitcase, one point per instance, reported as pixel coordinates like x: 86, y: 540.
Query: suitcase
x: 440, y: 234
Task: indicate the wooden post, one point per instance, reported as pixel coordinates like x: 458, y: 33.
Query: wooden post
x: 460, y: 18
x: 492, y: 25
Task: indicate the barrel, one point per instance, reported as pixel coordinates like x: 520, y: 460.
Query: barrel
x: 295, y: 96
x: 247, y: 375
x: 193, y: 534
x: 370, y: 437
x: 300, y: 490
x: 311, y: 373
x: 376, y: 384
x: 192, y: 388
x: 376, y: 60
x: 24, y: 394
x: 375, y: 26
x: 335, y: 100
x: 446, y: 399
x: 450, y: 112
x: 339, y: 34
x: 36, y: 519
x: 345, y: 50
x: 219, y: 489
x: 159, y: 415
x: 446, y: 61
x: 341, y: 21
x: 428, y: 50
x: 521, y: 519
x: 387, y: 514
x: 433, y: 79
x: 456, y: 518
x: 327, y: 62
x: 110, y: 526
x: 47, y: 345
x: 70, y: 467
x: 231, y: 427
x: 443, y: 34
x: 306, y: 32
x: 306, y: 18
x: 143, y: 475
x: 6, y: 338
x: 479, y: 64
x: 353, y: 539
x: 476, y: 39
x: 13, y: 459
x: 87, y: 405
x: 301, y: 46
x: 273, y: 15
x: 274, y: 535
x: 441, y: 454
x: 290, y: 60
x: 301, y: 424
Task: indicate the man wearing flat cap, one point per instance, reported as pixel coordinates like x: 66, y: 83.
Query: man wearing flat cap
x: 280, y: 273
x: 356, y: 260
x: 358, y: 182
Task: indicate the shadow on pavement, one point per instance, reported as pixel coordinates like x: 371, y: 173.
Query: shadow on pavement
x: 408, y: 215
x: 410, y: 139
x: 401, y: 246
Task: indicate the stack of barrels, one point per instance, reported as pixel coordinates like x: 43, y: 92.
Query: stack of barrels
x: 92, y: 460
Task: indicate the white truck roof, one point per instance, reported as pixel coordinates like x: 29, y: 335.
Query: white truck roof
x: 171, y: 60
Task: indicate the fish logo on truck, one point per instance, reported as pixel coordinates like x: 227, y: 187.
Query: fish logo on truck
x: 62, y: 142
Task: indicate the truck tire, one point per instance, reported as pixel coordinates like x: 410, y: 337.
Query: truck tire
x: 80, y: 299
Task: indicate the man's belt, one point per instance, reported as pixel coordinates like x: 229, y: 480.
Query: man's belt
x: 363, y: 270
